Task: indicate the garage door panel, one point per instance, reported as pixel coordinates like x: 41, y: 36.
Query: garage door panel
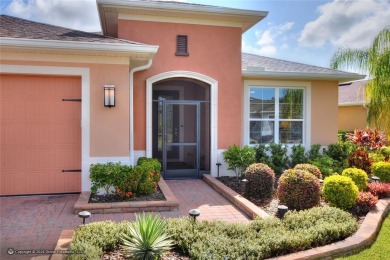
x: 40, y: 134
x: 68, y: 136
x: 12, y: 158
x: 13, y: 134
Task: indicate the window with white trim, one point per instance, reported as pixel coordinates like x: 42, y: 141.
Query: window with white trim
x: 276, y: 115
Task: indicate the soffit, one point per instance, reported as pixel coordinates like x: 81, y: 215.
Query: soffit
x: 112, y: 10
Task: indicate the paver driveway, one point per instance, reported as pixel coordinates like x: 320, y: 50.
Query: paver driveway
x: 35, y: 222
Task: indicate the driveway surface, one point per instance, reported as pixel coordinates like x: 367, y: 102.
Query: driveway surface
x: 35, y: 222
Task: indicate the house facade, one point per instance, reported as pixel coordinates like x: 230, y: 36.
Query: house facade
x: 182, y: 90
x: 352, y: 105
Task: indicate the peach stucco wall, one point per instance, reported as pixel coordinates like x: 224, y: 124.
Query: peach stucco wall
x: 324, y: 112
x: 214, y: 51
x: 109, y: 127
x: 352, y: 117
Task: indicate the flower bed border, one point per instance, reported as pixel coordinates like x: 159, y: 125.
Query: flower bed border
x: 239, y: 201
x: 170, y: 204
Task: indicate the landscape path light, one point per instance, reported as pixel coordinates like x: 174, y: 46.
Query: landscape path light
x: 84, y: 215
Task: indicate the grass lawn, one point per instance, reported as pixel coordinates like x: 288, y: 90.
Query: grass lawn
x: 380, y: 249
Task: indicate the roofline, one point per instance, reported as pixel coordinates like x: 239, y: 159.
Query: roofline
x: 85, y: 46
x: 257, y: 16
x: 302, y: 75
x: 183, y: 7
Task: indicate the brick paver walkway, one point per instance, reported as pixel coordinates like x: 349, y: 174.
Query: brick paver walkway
x: 35, y: 222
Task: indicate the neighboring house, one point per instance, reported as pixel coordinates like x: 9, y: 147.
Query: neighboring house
x: 183, y: 93
x: 352, y: 105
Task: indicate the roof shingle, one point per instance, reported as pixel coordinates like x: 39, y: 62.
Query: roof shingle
x: 252, y: 61
x: 13, y: 27
x: 352, y: 92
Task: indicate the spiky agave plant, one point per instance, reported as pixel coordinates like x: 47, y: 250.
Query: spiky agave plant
x: 147, y: 238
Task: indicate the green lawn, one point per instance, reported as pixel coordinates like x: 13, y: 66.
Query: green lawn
x: 380, y: 249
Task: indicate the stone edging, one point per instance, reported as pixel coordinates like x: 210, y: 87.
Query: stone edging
x: 170, y: 204
x: 364, y: 237
x: 239, y: 201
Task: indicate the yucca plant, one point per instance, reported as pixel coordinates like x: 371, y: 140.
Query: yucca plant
x: 146, y: 238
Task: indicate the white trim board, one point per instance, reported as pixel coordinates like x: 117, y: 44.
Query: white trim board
x: 213, y: 109
x: 306, y: 85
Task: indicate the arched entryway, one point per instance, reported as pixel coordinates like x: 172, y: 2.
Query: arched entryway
x: 180, y: 125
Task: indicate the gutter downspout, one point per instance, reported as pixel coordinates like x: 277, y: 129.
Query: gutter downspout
x: 131, y: 106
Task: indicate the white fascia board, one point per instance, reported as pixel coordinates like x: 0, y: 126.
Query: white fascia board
x: 301, y: 75
x: 350, y: 104
x: 182, y: 7
x: 87, y: 46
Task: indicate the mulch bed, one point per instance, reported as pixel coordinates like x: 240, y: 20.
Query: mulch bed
x: 156, y: 195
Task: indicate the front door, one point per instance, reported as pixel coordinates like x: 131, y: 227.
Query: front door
x: 180, y: 139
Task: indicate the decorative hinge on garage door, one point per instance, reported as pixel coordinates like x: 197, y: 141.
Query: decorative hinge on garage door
x: 72, y: 99
x: 73, y: 170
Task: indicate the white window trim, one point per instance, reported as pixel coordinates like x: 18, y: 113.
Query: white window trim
x: 278, y: 84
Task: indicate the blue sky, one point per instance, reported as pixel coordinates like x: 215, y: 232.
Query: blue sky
x: 307, y: 31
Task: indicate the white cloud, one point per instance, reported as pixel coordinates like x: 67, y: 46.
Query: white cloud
x: 75, y: 14
x: 269, y: 41
x: 348, y: 23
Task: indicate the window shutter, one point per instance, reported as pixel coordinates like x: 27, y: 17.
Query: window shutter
x: 182, y: 45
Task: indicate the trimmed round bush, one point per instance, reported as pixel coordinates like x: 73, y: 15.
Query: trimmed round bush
x: 365, y: 202
x: 261, y: 180
x: 299, y: 189
x: 340, y: 191
x: 310, y: 168
x: 359, y: 177
x: 382, y: 170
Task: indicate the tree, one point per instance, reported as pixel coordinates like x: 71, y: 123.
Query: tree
x: 374, y: 60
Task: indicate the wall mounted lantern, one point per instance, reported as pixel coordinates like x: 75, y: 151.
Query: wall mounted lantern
x: 109, y: 96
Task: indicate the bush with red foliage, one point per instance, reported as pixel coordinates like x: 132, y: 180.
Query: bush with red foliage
x: 368, y: 139
x: 360, y: 160
x: 364, y: 203
x: 379, y: 189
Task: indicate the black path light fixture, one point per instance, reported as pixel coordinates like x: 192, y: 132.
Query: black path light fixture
x: 84, y: 215
x: 194, y: 213
x: 109, y: 96
x: 375, y: 178
x: 244, y: 185
x: 282, y: 209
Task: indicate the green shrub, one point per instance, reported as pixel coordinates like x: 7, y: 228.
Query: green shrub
x: 261, y: 154
x: 84, y: 251
x: 261, y: 180
x: 127, y: 184
x: 339, y: 154
x: 146, y: 237
x: 150, y: 175
x: 279, y: 159
x: 262, y: 238
x: 104, y: 175
x: 299, y: 189
x: 360, y: 160
x: 382, y: 170
x: 310, y: 168
x: 239, y: 158
x: 358, y: 176
x: 297, y: 155
x: 340, y: 191
x: 314, y: 152
x: 103, y: 235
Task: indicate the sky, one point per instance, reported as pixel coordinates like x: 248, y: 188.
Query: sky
x: 306, y: 31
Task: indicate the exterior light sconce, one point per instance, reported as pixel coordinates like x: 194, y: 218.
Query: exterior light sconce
x: 109, y: 96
